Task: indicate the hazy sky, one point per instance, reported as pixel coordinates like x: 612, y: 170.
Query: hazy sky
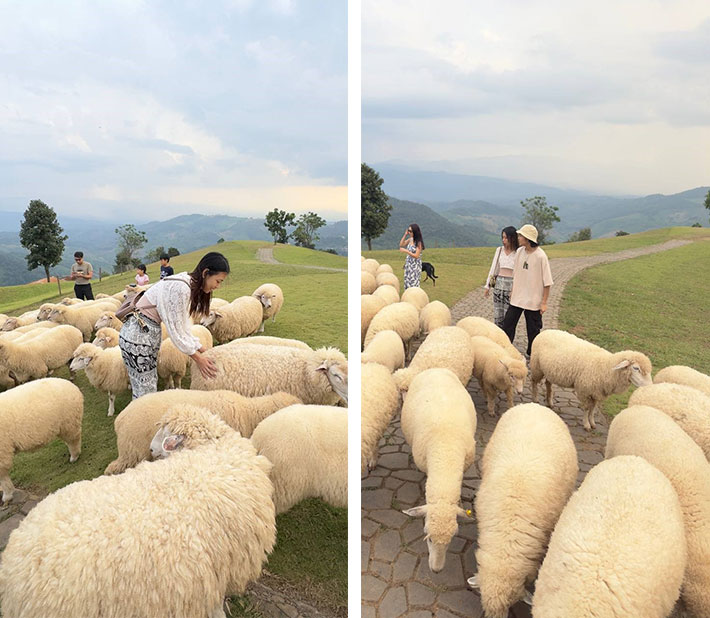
x: 154, y: 109
x: 609, y: 96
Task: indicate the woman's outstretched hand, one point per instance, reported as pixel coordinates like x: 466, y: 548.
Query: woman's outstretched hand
x: 207, y: 366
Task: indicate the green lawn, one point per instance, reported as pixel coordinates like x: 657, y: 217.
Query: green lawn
x: 289, y: 254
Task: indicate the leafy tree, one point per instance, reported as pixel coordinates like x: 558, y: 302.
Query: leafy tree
x: 707, y: 200
x: 130, y: 241
x: 696, y: 224
x: 541, y: 215
x: 621, y: 233
x: 584, y: 234
x: 221, y: 240
x: 374, y: 207
x: 172, y: 252
x: 41, y: 235
x: 276, y: 222
x: 154, y: 255
x: 124, y: 261
x: 305, y: 232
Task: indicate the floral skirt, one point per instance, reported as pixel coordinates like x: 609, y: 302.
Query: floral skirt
x: 140, y: 340
x: 412, y: 272
x: 501, y: 299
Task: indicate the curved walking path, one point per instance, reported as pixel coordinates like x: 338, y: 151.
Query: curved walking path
x: 396, y: 580
x: 266, y: 255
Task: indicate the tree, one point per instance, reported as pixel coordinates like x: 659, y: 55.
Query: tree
x: 707, y: 200
x: 172, y: 252
x: 305, y: 232
x: 124, y: 262
x: 374, y: 205
x: 276, y: 222
x: 130, y: 241
x: 539, y: 214
x: 41, y: 235
x: 584, y: 234
x: 621, y: 233
x: 154, y: 255
x: 221, y: 240
x: 696, y: 224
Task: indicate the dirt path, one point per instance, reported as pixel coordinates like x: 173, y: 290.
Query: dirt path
x: 396, y: 580
x: 266, y: 255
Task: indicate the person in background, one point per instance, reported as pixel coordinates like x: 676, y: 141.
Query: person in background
x: 502, y: 270
x: 165, y: 269
x: 81, y: 273
x: 412, y: 244
x: 141, y: 276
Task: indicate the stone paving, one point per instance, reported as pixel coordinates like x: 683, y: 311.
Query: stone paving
x: 396, y: 580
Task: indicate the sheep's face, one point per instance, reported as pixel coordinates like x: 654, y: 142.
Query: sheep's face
x: 103, y: 321
x: 80, y: 362
x: 210, y: 319
x: 517, y: 372
x: 165, y: 442
x: 638, y: 370
x: 101, y: 341
x: 57, y: 314
x: 337, y: 375
x: 10, y: 324
x: 440, y: 526
x: 265, y: 300
x: 44, y: 312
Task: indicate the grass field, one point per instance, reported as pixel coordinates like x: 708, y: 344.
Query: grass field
x: 311, y: 550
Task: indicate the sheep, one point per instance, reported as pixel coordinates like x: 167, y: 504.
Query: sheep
x: 29, y: 328
x: 651, y: 434
x: 3, y: 319
x: 167, y: 538
x: 33, y: 415
x: 447, y: 347
x: 475, y: 325
x: 387, y: 293
x: 403, y: 318
x: 593, y: 373
x: 687, y: 406
x: 5, y: 380
x: 106, y: 337
x: 271, y: 298
x: 362, y: 258
x: 680, y: 374
x: 172, y: 363
x: 108, y: 319
x: 618, y: 549
x: 315, y: 377
x: 439, y: 423
x: 104, y: 369
x: 45, y: 309
x: 37, y: 357
x: 69, y: 301
x: 434, y: 315
x: 370, y: 265
x: 241, y: 318
x: 308, y: 446
x: 266, y: 340
x: 416, y: 296
x: 386, y: 348
x: 496, y: 371
x: 369, y: 306
x: 135, y: 426
x: 29, y: 317
x: 368, y: 283
x: 387, y: 279
x: 529, y: 470
x: 379, y: 403
x: 82, y: 316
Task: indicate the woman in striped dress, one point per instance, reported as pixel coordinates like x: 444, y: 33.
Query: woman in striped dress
x: 412, y: 244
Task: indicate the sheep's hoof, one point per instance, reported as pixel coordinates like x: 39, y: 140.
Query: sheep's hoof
x: 73, y: 459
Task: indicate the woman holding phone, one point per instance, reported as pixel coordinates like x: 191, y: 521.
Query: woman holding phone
x: 412, y: 244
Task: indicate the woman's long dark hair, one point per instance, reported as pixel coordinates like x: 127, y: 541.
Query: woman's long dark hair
x: 213, y: 263
x: 512, y: 235
x: 417, y: 234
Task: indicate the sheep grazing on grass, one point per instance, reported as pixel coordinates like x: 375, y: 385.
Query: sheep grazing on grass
x: 135, y: 426
x: 496, y: 371
x: 168, y: 538
x: 172, y: 363
x: 34, y: 414
x: 82, y: 316
x: 314, y: 376
x: 618, y: 550
x: 271, y: 298
x: 369, y: 306
x: 240, y: 318
x: 593, y: 373
x: 108, y: 319
x: 447, y: 347
x: 29, y: 317
x: 529, y: 469
x: 680, y: 374
x: 388, y: 279
x: 266, y: 340
x: 368, y: 283
x: 651, y: 434
x: 434, y: 315
x: 387, y: 293
x: 416, y: 296
x: 383, y: 268
x: 379, y: 403
x: 386, y: 348
x: 104, y: 369
x: 403, y: 318
x: 5, y: 380
x: 439, y: 423
x: 477, y: 326
x: 308, y: 446
x: 370, y: 265
x: 106, y: 337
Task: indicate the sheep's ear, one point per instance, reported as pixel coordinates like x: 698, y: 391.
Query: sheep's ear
x: 622, y: 365
x: 323, y: 367
x: 217, y: 314
x: 172, y: 443
x: 417, y: 511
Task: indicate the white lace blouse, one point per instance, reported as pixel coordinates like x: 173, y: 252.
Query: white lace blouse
x: 505, y: 261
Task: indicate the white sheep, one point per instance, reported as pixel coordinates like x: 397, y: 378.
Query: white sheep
x: 82, y: 316
x: 680, y: 374
x: 314, y: 376
x: 106, y: 337
x: 5, y: 380
x: 3, y: 319
x: 241, y: 318
x: 387, y: 293
x: 266, y: 340
x: 34, y: 414
x: 108, y: 319
x: 687, y: 406
x: 651, y: 434
x: 439, y: 423
x: 496, y: 371
x: 368, y: 283
x: 135, y: 426
x: 618, y: 550
x: 45, y: 309
x: 434, y: 315
x: 403, y: 318
x: 477, y: 326
x: 387, y: 279
x: 369, y: 306
x: 529, y: 470
x: 69, y: 300
x: 271, y: 298
x: 370, y: 265
x: 29, y: 317
x: 383, y: 268
x: 386, y: 348
x: 172, y: 363
x: 593, y: 372
x: 379, y: 403
x: 29, y: 327
x: 447, y: 347
x: 167, y: 538
x: 308, y: 446
x: 416, y: 296
x: 104, y: 369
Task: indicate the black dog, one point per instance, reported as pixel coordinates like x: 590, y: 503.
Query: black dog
x: 428, y: 270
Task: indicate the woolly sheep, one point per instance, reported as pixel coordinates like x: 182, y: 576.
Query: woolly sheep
x: 3, y: 319
x: 680, y: 374
x: 439, y: 423
x: 240, y: 318
x: 46, y: 351
x: 135, y: 426
x: 618, y: 549
x: 106, y: 337
x: 314, y: 376
x: 5, y: 380
x: 172, y: 363
x: 651, y: 434
x: 29, y: 328
x: 383, y: 268
x: 29, y: 317
x: 271, y: 298
x: 386, y: 348
x: 369, y: 306
x: 388, y: 279
x: 387, y: 293
x: 416, y: 296
x: 687, y: 406
x: 216, y: 303
x: 108, y: 319
x: 529, y: 469
x: 168, y: 538
x: 379, y: 403
x: 368, y: 283
x: 68, y: 301
x: 447, y: 347
x: 266, y: 340
x: 496, y: 371
x: 434, y: 315
x: 593, y: 373
x: 477, y: 326
x: 34, y: 414
x: 403, y: 318
x: 81, y: 316
x: 104, y: 369
x: 45, y: 309
x: 370, y: 265
x: 362, y: 258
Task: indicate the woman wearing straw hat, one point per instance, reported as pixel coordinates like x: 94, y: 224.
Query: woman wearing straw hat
x: 532, y: 279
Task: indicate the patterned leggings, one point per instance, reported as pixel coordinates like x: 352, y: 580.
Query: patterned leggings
x: 140, y: 344
x: 501, y: 299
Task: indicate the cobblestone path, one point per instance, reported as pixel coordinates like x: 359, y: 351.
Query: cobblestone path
x: 396, y: 580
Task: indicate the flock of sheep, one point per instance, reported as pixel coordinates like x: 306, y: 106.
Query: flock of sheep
x: 183, y: 517
x: 635, y: 536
